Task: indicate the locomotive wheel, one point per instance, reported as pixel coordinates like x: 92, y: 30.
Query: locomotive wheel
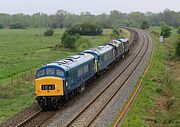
x: 62, y: 101
x: 55, y: 105
x: 45, y: 107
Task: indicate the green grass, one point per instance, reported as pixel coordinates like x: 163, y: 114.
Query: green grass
x: 155, y: 105
x: 15, y: 98
x: 22, y: 51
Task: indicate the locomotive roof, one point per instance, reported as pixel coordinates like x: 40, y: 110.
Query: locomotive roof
x: 114, y: 42
x: 123, y: 39
x: 71, y: 61
x: 99, y: 50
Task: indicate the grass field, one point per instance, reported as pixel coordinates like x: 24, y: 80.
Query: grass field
x: 21, y: 50
x: 157, y: 104
x: 24, y: 50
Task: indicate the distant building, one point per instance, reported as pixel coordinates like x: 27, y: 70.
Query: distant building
x: 161, y: 39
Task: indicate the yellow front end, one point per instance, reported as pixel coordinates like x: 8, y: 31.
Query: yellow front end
x: 57, y: 82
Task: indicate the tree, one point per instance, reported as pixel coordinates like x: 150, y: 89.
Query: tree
x: 165, y: 30
x: 170, y: 17
x: 60, y: 17
x: 49, y: 32
x: 115, y: 19
x: 68, y: 41
x: 178, y: 30
x: 136, y: 18
x: 144, y: 25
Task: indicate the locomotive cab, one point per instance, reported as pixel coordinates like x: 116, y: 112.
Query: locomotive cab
x: 60, y: 80
x: 49, y: 86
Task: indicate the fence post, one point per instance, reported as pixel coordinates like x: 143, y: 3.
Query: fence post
x: 12, y: 78
x: 22, y: 76
x: 25, y: 76
x: 31, y: 72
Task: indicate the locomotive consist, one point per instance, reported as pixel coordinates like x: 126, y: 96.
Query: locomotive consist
x: 57, y: 81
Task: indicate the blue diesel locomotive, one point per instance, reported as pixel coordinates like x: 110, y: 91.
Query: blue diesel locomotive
x: 57, y: 81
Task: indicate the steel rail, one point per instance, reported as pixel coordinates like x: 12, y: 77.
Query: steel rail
x: 86, y: 107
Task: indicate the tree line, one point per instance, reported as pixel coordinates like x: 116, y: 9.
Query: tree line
x: 63, y: 19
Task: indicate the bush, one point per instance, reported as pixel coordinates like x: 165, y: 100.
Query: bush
x: 68, y: 41
x: 120, y: 30
x: 90, y: 29
x: 155, y: 33
x: 178, y: 30
x: 73, y: 30
x: 54, y: 25
x: 165, y: 30
x: 1, y: 26
x: 16, y: 26
x: 178, y: 46
x: 85, y: 29
x: 115, y: 33
x: 49, y: 32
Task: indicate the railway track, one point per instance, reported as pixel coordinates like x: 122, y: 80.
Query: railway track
x: 91, y: 111
x: 31, y: 117
x: 37, y: 119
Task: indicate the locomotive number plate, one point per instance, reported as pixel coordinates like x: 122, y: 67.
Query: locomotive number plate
x: 48, y: 87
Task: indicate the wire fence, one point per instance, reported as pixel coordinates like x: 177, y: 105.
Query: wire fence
x: 27, y: 77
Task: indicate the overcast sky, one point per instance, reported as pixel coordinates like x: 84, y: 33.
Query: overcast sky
x: 93, y: 6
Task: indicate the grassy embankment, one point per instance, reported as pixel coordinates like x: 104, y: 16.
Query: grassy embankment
x: 157, y: 104
x: 22, y: 51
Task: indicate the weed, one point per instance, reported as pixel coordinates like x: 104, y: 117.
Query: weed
x: 160, y: 91
x: 158, y: 102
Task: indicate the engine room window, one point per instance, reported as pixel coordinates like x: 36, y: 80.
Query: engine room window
x: 86, y: 68
x: 80, y: 72
x: 106, y: 57
x: 50, y: 71
x: 40, y: 73
x: 59, y: 72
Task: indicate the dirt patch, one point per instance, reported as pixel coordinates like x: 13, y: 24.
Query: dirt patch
x: 161, y: 104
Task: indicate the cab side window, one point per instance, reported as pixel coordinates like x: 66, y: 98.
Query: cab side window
x: 59, y: 72
x: 41, y: 73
